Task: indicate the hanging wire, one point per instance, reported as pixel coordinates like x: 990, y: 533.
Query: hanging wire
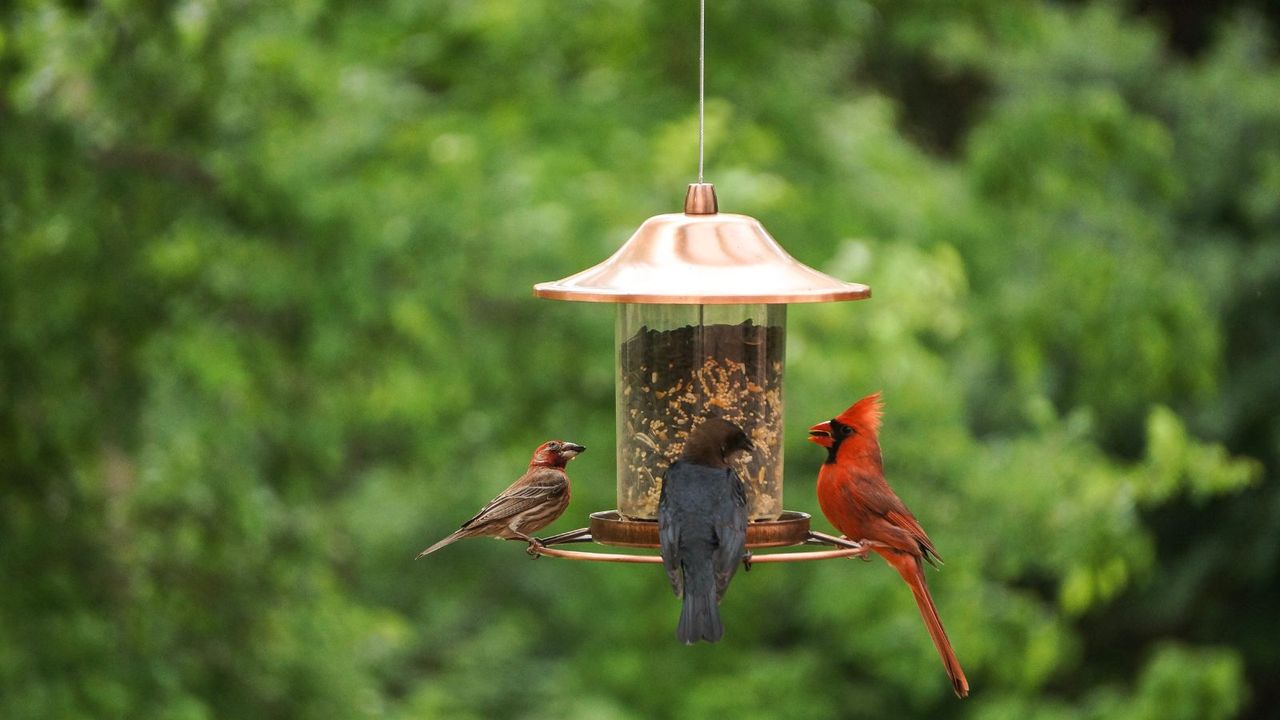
x: 702, y: 63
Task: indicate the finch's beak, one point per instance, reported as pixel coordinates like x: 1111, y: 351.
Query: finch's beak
x: 821, y: 434
x: 571, y: 450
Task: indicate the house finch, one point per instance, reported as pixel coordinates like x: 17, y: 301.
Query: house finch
x: 856, y: 499
x: 702, y: 522
x: 530, y: 504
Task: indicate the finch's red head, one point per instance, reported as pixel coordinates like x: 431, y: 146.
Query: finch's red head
x: 861, y: 420
x: 555, y: 453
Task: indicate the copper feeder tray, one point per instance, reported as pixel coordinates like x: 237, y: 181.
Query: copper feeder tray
x: 608, y: 527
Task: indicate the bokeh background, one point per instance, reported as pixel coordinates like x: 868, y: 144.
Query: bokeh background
x: 266, y: 330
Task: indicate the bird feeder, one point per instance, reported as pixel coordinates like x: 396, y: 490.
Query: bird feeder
x: 701, y: 330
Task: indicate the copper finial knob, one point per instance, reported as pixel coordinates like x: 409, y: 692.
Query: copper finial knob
x: 701, y: 199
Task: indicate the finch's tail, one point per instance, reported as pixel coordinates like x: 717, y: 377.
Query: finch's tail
x: 912, y: 570
x: 699, y: 615
x: 454, y: 537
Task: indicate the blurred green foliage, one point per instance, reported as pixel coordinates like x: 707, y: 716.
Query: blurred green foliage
x: 266, y: 330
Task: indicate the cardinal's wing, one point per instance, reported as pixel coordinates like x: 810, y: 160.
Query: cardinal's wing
x: 878, y: 497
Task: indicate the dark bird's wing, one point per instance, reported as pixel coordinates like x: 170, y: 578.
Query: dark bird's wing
x: 731, y: 532
x: 533, y: 488
x: 669, y: 533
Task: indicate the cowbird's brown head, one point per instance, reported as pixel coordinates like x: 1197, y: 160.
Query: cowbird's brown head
x: 714, y: 443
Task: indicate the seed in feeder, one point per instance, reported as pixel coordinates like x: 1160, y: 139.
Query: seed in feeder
x: 729, y: 370
x: 647, y: 441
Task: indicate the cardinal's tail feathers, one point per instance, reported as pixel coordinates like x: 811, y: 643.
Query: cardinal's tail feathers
x: 699, y: 615
x: 452, y: 538
x: 912, y: 571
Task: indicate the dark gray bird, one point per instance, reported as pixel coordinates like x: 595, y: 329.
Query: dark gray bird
x: 702, y: 522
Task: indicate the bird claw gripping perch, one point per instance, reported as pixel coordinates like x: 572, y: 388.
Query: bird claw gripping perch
x: 863, y: 545
x: 866, y: 546
x: 534, y: 546
x: 746, y: 561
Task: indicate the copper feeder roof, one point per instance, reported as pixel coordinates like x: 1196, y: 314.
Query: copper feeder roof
x: 701, y: 257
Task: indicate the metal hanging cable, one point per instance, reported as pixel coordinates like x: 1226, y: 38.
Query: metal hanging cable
x: 702, y: 63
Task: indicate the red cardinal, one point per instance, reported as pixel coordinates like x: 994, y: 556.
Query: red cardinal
x: 856, y: 499
x: 530, y: 504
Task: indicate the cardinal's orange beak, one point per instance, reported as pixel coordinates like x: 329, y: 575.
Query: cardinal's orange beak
x: 821, y: 434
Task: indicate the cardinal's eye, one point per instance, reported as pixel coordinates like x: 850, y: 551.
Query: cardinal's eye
x: 554, y: 447
x: 844, y: 430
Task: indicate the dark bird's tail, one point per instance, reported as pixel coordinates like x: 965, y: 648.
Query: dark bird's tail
x: 699, y: 614
x: 454, y: 537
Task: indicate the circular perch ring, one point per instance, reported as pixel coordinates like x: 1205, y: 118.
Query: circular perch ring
x: 657, y: 559
x: 843, y: 549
